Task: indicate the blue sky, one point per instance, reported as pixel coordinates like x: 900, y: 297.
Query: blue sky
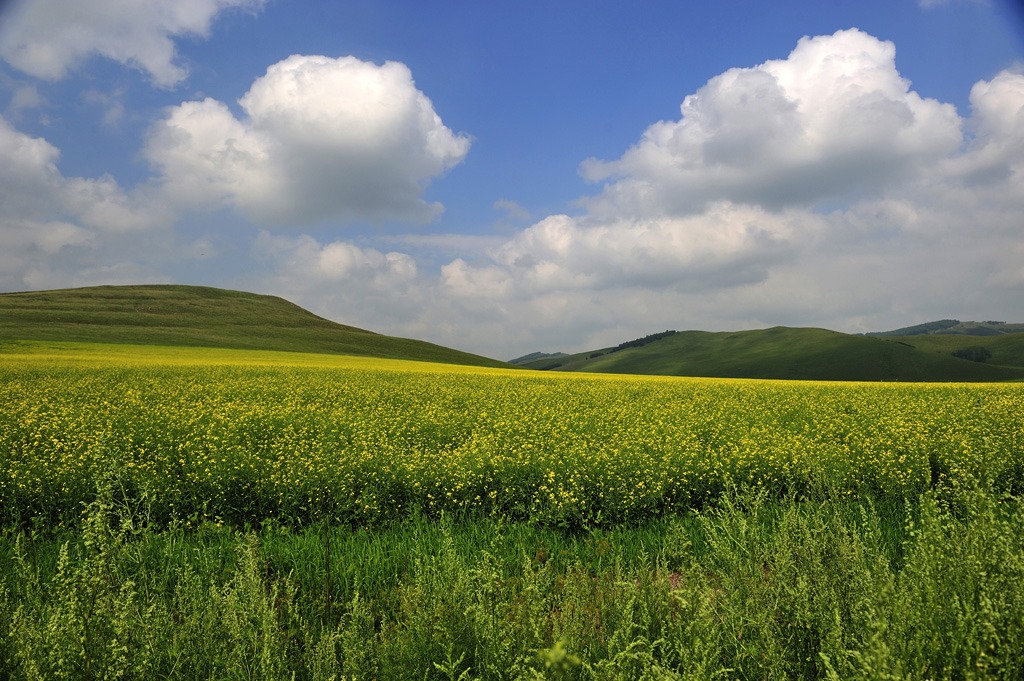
x: 511, y: 177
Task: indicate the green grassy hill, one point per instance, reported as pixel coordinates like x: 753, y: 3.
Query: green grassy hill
x: 788, y: 353
x: 956, y: 327
x: 203, y: 317
x: 1007, y: 349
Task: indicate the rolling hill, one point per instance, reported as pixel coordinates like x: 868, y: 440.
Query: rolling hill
x: 536, y: 356
x: 795, y: 353
x: 212, y: 317
x: 203, y: 317
x: 955, y: 327
x: 1007, y: 349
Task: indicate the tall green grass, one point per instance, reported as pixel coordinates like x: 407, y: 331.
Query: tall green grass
x: 754, y: 588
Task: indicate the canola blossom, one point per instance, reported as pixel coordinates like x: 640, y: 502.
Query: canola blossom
x: 242, y: 437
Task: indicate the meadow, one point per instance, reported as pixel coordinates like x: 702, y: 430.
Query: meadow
x: 263, y: 515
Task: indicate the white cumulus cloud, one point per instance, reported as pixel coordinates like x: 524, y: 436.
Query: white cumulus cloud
x: 338, y: 261
x: 355, y: 285
x: 32, y: 187
x: 47, y: 38
x: 321, y: 138
x: 819, y: 189
x: 994, y: 159
x: 834, y: 120
x: 727, y: 245
x: 47, y: 218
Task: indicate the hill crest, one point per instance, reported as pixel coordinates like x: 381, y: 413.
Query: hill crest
x: 166, y: 314
x: 954, y: 327
x: 801, y: 353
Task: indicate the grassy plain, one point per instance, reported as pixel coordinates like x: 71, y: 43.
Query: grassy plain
x: 205, y: 513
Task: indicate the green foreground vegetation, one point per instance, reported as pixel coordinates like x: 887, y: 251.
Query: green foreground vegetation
x: 750, y: 589
x: 208, y: 513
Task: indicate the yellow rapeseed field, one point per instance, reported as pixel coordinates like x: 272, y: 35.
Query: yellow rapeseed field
x: 195, y: 434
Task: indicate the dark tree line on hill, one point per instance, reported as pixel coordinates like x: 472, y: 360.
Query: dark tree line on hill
x: 640, y: 342
x: 975, y: 353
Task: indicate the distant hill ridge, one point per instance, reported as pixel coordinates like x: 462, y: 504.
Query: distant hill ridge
x: 954, y: 326
x: 535, y: 356
x: 200, y: 316
x: 804, y: 353
x: 213, y: 317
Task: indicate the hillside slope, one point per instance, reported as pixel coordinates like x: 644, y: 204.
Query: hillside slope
x: 200, y: 316
x: 954, y: 327
x: 1007, y: 349
x: 786, y: 353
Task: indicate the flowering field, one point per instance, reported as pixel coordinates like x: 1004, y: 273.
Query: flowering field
x: 240, y: 437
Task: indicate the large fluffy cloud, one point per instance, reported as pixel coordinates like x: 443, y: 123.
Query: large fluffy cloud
x: 721, y: 197
x: 832, y: 121
x: 993, y: 163
x: 46, y: 38
x: 818, y: 189
x: 320, y: 138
